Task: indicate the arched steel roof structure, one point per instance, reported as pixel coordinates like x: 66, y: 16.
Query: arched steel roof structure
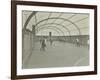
x: 71, y: 23
x: 53, y: 27
x: 62, y: 19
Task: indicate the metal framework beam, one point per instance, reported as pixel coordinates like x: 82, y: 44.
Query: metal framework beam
x: 49, y: 16
x: 79, y: 20
x: 54, y: 27
x: 58, y: 17
x: 68, y: 18
x: 29, y: 18
x: 44, y: 28
x: 61, y: 19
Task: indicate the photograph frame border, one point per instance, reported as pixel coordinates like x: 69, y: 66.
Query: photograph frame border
x: 14, y: 39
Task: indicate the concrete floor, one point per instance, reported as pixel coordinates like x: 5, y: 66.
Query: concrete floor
x: 59, y: 54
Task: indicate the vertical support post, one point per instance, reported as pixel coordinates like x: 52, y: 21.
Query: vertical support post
x: 23, y: 46
x: 33, y: 30
x: 33, y: 35
x: 50, y: 34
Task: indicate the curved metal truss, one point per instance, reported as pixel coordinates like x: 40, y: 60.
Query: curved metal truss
x: 53, y: 27
x: 54, y: 24
x: 37, y: 26
x: 61, y: 19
